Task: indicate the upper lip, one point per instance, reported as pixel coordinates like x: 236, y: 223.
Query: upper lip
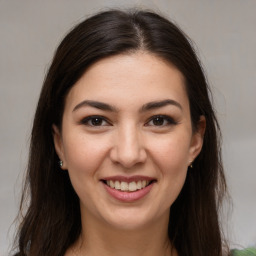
x: 128, y: 178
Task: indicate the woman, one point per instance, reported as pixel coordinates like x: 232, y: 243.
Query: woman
x: 125, y: 156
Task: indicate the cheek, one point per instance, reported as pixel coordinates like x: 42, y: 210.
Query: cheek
x: 84, y: 154
x: 173, y: 164
x: 170, y: 157
x: 171, y: 153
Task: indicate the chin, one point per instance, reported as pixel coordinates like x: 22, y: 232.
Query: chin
x: 133, y: 219
x: 128, y: 224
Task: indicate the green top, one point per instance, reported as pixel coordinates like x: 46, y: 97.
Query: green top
x: 245, y: 252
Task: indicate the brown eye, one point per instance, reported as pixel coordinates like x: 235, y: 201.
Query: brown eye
x: 158, y: 121
x: 161, y: 120
x: 95, y: 121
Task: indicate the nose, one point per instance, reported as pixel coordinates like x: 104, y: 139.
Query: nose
x: 128, y: 149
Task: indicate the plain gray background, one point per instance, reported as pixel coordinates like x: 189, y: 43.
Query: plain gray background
x: 225, y: 34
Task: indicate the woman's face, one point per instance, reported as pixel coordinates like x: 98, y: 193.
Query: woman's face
x: 127, y: 140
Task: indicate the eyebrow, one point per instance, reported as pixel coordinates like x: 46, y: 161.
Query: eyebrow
x: 160, y: 104
x: 145, y: 107
x: 95, y: 104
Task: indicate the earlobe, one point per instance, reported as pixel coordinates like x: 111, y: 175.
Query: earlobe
x: 58, y: 145
x: 197, y: 139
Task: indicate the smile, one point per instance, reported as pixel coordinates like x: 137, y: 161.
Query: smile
x: 128, y: 189
x: 128, y: 186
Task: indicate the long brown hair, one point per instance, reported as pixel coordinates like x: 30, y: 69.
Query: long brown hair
x: 52, y: 221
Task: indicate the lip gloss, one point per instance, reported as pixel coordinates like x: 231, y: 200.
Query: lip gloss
x: 128, y: 196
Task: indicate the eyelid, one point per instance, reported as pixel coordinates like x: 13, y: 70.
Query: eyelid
x: 85, y: 120
x: 167, y: 118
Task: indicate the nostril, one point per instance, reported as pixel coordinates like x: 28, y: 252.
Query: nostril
x: 128, y: 152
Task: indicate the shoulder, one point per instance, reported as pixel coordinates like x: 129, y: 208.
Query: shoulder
x: 244, y: 252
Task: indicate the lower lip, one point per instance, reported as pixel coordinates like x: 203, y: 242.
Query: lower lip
x: 128, y: 196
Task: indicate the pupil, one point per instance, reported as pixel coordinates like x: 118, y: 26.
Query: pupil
x: 158, y: 121
x: 96, y: 121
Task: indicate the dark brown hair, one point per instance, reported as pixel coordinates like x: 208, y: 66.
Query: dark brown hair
x: 52, y: 221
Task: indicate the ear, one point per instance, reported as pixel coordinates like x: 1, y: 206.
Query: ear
x: 58, y: 144
x: 197, y: 139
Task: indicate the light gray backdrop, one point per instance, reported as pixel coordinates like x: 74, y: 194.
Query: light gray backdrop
x: 225, y: 34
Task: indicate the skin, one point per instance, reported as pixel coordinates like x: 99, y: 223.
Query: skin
x: 128, y: 141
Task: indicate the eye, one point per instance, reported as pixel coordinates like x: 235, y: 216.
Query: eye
x: 160, y: 120
x: 95, y: 121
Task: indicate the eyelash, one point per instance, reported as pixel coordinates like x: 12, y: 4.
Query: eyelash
x: 167, y: 120
x: 88, y: 119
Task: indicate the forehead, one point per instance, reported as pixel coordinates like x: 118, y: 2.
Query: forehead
x: 129, y: 79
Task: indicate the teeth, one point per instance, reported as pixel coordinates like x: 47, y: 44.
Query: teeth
x: 132, y: 186
x: 139, y: 186
x: 112, y: 184
x: 117, y: 185
x: 125, y: 186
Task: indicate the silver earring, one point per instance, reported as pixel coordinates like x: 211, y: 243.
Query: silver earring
x: 61, y: 163
x: 191, y: 165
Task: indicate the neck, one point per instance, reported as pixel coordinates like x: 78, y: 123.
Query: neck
x: 99, y: 238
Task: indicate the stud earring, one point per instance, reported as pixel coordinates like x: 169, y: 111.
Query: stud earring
x: 191, y: 165
x: 61, y: 163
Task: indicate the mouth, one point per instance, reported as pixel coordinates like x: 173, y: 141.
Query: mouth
x: 128, y: 186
